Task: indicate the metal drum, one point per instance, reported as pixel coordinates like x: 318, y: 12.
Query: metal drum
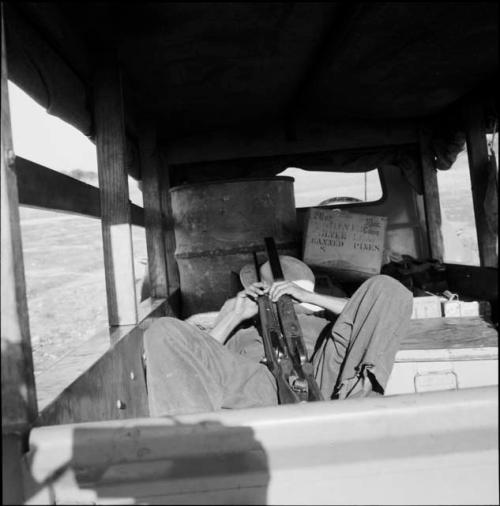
x: 218, y: 225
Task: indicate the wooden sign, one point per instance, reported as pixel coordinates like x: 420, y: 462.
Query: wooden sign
x: 347, y: 244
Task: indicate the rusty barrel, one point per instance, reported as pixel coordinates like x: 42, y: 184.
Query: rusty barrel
x: 217, y: 226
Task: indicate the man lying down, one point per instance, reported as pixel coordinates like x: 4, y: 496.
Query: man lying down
x: 190, y: 370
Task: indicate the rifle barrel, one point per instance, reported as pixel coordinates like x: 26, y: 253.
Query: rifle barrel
x: 274, y: 260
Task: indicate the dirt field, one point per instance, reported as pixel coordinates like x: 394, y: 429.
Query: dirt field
x: 65, y: 280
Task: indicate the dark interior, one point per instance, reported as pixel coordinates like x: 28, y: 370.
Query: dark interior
x: 268, y: 76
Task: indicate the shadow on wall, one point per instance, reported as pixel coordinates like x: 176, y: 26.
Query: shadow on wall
x: 157, y: 461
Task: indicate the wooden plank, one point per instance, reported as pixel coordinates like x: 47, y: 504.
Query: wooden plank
x: 155, y: 241
x: 431, y: 197
x: 477, y: 152
x: 442, y: 333
x: 52, y: 383
x: 19, y: 406
x: 136, y: 215
x: 113, y: 388
x: 168, y: 228
x: 115, y: 207
x: 40, y: 186
x: 87, y: 384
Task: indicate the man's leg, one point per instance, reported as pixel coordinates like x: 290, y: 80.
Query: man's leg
x: 357, y: 359
x: 188, y: 371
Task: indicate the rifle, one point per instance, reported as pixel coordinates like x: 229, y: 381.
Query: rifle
x: 286, y: 355
x: 277, y: 358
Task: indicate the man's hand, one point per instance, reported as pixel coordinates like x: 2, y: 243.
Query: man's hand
x: 289, y: 288
x: 236, y: 310
x: 245, y: 305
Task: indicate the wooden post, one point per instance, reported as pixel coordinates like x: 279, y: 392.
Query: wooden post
x: 19, y: 405
x: 115, y: 206
x: 477, y: 152
x: 168, y: 227
x: 431, y: 197
x: 155, y: 241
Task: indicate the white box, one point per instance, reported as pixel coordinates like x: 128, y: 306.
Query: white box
x: 447, y: 374
x: 445, y: 354
x: 460, y: 308
x: 427, y: 307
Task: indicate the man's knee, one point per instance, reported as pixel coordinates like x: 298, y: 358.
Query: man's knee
x: 165, y: 331
x: 386, y: 286
x: 384, y: 283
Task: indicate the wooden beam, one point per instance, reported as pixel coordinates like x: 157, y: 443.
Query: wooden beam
x: 132, y: 164
x: 19, y: 407
x: 113, y: 183
x: 268, y: 140
x: 136, y: 215
x: 155, y: 241
x: 477, y: 151
x: 42, y: 187
x: 168, y: 228
x: 431, y: 197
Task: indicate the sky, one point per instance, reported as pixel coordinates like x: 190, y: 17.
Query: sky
x: 39, y: 136
x: 51, y: 142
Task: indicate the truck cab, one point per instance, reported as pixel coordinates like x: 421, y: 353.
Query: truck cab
x: 237, y: 120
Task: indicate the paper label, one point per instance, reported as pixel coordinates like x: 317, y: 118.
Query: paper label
x: 348, y: 244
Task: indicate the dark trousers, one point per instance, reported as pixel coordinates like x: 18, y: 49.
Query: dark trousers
x: 188, y: 371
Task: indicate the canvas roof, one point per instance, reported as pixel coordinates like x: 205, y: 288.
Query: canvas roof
x: 224, y: 81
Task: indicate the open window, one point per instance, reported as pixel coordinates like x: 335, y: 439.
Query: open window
x: 320, y: 188
x: 458, y: 224
x: 63, y: 251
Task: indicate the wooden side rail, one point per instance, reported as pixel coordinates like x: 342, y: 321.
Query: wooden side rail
x: 42, y: 187
x: 101, y: 379
x: 432, y: 448
x: 19, y: 406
